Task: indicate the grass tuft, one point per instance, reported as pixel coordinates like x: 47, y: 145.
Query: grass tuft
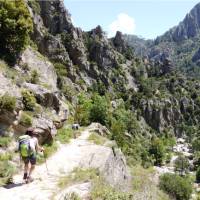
x: 78, y: 175
x: 97, y: 139
x: 64, y: 135
x: 5, y: 141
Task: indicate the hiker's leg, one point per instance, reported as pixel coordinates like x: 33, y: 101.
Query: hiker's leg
x: 31, y: 170
x: 26, y: 167
x: 33, y: 163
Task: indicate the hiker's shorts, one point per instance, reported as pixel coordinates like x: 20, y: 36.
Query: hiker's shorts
x: 31, y: 159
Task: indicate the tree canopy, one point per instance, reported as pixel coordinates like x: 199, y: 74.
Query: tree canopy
x: 15, y: 27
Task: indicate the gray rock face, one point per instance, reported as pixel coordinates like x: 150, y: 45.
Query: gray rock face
x: 185, y: 104
x: 55, y: 17
x: 6, y: 86
x: 52, y: 47
x: 45, y: 128
x: 161, y: 114
x: 45, y: 69
x: 196, y: 57
x: 77, y: 50
x: 102, y: 53
x: 111, y: 164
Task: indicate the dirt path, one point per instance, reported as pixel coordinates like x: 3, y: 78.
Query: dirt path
x: 45, y: 185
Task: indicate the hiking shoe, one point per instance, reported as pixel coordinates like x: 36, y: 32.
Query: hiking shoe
x: 25, y: 176
x: 29, y: 179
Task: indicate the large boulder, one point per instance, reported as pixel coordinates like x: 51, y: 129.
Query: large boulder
x: 45, y: 128
x: 45, y: 97
x: 99, y: 129
x: 110, y: 162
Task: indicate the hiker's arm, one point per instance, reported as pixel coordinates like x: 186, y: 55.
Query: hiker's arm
x: 38, y: 147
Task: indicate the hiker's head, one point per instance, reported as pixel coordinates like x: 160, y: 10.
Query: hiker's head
x: 35, y: 134
x: 30, y: 131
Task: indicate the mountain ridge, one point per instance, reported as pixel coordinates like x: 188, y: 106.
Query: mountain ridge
x: 179, y: 44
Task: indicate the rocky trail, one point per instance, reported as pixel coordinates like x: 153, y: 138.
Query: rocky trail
x: 78, y: 153
x: 45, y: 183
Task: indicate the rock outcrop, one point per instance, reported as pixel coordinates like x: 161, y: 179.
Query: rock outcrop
x: 44, y: 68
x: 161, y: 114
x: 45, y: 97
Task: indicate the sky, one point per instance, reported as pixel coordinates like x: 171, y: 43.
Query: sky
x: 145, y: 18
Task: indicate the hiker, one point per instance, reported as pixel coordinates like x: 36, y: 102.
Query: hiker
x: 75, y: 126
x: 28, y: 147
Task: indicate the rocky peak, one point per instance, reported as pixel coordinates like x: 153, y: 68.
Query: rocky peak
x: 55, y: 16
x: 119, y: 42
x: 98, y: 31
x: 186, y: 29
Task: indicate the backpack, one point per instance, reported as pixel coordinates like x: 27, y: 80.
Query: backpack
x: 24, y: 146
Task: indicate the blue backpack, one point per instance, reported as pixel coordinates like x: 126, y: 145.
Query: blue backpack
x: 24, y: 146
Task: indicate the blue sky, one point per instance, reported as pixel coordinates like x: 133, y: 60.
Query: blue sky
x: 145, y: 18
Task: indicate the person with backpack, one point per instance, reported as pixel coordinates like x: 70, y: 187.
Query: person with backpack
x: 28, y: 148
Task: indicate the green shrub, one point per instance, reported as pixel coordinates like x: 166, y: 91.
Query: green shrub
x: 5, y: 141
x: 7, y: 102
x: 181, y: 164
x: 178, y: 187
x: 6, y: 156
x: 157, y: 150
x: 99, y: 110
x: 35, y: 6
x: 6, y: 172
x: 196, y: 144
x: 102, y: 190
x: 61, y: 69
x: 142, y: 182
x: 198, y: 175
x: 118, y: 129
x: 16, y: 25
x: 82, y: 111
x: 25, y: 119
x: 196, y: 160
x: 71, y: 196
x: 64, y: 135
x: 29, y: 100
x: 34, y: 77
x: 99, y: 87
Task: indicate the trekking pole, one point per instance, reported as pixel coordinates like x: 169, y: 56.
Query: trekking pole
x: 45, y: 163
x: 20, y: 162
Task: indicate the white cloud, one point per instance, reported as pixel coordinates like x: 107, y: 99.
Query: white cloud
x: 123, y: 23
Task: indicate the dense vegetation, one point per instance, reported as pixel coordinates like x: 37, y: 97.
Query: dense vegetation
x: 178, y: 187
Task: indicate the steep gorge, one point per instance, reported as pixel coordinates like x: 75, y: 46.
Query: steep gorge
x: 66, y: 75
